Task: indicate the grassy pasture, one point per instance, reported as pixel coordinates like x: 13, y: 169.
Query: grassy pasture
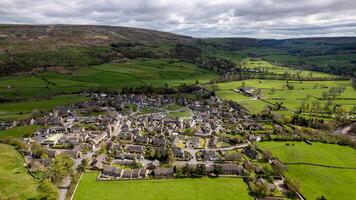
x: 254, y: 106
x: 181, y: 113
x: 262, y: 65
x: 188, y: 189
x: 20, y: 110
x: 307, y: 91
x: 135, y: 72
x: 316, y: 181
x: 19, y: 131
x: 15, y: 182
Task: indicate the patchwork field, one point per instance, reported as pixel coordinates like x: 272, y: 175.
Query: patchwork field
x: 267, y: 67
x: 276, y: 91
x: 187, y: 189
x: 333, y: 183
x: 15, y: 182
x: 137, y: 72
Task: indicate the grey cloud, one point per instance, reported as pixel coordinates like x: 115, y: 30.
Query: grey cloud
x: 199, y: 18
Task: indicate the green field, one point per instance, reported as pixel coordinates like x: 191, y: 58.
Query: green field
x: 137, y: 72
x: 316, y: 181
x: 20, y: 110
x: 19, y: 131
x: 15, y: 182
x: 177, y: 189
x: 268, y: 67
x: 308, y: 91
x: 181, y: 113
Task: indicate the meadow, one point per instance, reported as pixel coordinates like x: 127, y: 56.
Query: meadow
x: 315, y: 181
x: 19, y: 131
x: 23, y: 109
x: 275, y: 91
x: 15, y: 182
x: 268, y: 67
x: 175, y: 189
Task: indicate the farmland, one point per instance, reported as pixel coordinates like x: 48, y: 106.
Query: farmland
x: 137, y: 72
x: 315, y: 180
x: 194, y: 189
x: 268, y: 67
x: 23, y: 109
x: 275, y: 91
x: 19, y: 131
x: 15, y: 182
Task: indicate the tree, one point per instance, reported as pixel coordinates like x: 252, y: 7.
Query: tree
x: 259, y: 190
x: 35, y: 114
x: 325, y: 95
x: 170, y: 156
x: 273, y: 90
x: 217, y: 170
x: 215, y: 87
x: 38, y: 150
x: 353, y: 82
x: 268, y: 154
x: 83, y: 165
x: 59, y: 169
x: 47, y: 191
x: 292, y: 183
x: 280, y: 168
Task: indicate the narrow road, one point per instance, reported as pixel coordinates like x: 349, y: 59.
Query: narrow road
x: 62, y: 194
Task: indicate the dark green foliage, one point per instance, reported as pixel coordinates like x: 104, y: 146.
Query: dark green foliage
x: 47, y: 191
x: 188, y: 53
x: 218, y: 65
x: 59, y: 169
x: 308, y: 122
x: 331, y: 55
x: 66, y: 57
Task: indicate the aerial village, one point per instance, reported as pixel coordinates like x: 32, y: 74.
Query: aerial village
x: 138, y: 136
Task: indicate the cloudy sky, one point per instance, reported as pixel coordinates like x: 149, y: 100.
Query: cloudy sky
x: 199, y: 18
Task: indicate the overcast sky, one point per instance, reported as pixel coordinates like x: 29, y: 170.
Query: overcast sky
x: 199, y: 18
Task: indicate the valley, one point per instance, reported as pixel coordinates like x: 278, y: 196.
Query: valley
x: 122, y: 113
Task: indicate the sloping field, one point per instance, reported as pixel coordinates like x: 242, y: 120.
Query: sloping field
x: 333, y: 183
x: 15, y: 182
x: 137, y: 72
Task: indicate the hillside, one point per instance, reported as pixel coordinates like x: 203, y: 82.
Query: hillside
x: 335, y: 55
x: 33, y: 48
x: 25, y: 48
x: 42, y: 38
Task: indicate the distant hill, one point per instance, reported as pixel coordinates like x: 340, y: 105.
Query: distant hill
x: 25, y: 38
x: 335, y: 55
x: 32, y: 48
x: 25, y: 48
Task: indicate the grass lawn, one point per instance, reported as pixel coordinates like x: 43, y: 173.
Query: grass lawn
x: 177, y: 189
x: 15, y: 182
x: 19, y: 131
x: 316, y: 181
x: 182, y: 113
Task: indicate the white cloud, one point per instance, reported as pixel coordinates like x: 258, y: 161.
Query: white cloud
x: 200, y: 18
